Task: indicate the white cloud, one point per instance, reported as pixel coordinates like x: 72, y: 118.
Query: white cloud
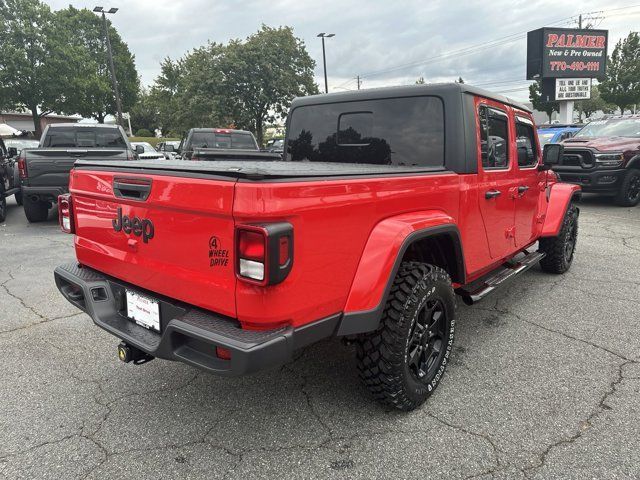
x: 371, y: 36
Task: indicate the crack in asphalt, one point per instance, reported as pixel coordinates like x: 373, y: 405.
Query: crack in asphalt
x: 485, y: 437
x: 584, y: 425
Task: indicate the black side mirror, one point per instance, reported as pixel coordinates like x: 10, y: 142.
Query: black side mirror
x: 139, y: 149
x: 552, y: 153
x: 169, y: 148
x: 13, y: 152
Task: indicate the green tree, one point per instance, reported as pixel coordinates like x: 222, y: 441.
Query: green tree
x: 535, y: 96
x: 595, y: 104
x: 420, y: 81
x: 37, y: 64
x: 92, y: 94
x: 187, y: 91
x: 261, y: 76
x: 460, y: 80
x: 144, y: 113
x: 621, y: 85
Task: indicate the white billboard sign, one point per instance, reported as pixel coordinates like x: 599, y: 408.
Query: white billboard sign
x: 573, y: 88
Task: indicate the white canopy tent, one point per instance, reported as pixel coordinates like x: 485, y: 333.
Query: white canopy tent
x: 8, y: 131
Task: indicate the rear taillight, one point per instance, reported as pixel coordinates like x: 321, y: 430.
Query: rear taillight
x: 65, y: 213
x: 264, y: 252
x: 22, y: 167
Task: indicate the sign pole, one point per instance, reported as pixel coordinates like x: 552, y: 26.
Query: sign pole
x: 566, y: 112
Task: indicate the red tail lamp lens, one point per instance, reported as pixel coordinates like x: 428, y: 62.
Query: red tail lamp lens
x: 251, y: 245
x: 65, y: 215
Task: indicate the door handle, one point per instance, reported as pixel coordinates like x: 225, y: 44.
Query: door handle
x: 492, y: 194
x: 522, y: 189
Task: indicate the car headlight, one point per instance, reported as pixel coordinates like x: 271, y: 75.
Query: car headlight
x: 609, y: 159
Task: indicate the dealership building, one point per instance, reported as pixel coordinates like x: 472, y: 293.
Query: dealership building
x: 24, y: 120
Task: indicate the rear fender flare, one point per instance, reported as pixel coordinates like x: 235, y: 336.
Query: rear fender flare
x: 381, y: 259
x: 560, y: 196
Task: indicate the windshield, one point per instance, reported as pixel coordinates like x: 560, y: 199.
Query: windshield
x: 614, y: 127
x: 236, y: 141
x: 84, y: 137
x: 545, y: 138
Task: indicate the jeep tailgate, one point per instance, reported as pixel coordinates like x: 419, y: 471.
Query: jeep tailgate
x: 51, y: 166
x: 170, y: 234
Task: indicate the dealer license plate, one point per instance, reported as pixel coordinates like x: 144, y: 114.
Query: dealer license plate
x: 144, y: 311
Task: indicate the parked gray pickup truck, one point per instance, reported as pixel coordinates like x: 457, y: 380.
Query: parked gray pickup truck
x: 44, y: 171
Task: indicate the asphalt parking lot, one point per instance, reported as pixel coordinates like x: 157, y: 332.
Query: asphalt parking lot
x: 544, y: 383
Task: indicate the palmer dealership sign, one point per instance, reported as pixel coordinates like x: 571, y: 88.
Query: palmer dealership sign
x: 566, y: 53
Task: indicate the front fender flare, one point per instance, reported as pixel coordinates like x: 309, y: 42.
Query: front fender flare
x: 560, y: 196
x: 381, y: 260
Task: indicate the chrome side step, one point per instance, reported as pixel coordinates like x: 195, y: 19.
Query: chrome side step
x: 475, y: 291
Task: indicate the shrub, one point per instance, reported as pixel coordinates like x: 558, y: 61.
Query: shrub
x: 143, y: 132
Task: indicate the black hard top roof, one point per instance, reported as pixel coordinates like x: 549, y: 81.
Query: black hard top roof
x: 83, y: 125
x: 405, y: 91
x: 213, y: 129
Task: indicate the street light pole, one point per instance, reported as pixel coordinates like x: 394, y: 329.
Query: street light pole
x: 324, y: 58
x: 112, y: 67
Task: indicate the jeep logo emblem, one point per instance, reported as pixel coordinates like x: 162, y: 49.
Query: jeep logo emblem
x: 140, y: 227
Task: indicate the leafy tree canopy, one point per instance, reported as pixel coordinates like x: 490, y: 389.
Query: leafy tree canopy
x: 621, y: 86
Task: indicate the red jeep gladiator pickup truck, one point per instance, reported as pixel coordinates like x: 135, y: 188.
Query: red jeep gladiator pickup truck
x: 388, y: 203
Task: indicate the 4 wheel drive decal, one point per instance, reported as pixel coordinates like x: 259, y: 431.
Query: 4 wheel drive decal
x: 218, y: 256
x: 140, y: 227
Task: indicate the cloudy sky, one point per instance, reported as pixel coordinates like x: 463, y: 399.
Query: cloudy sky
x: 386, y: 42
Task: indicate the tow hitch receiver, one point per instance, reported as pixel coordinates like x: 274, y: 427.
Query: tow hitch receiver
x: 127, y: 354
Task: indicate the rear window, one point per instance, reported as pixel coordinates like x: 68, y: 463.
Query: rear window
x: 398, y: 131
x: 84, y: 137
x: 236, y: 141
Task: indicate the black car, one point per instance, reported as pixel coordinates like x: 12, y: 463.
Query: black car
x: 9, y: 178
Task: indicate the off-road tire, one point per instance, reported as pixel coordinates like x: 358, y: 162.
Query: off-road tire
x: 383, y: 356
x: 629, y: 193
x: 559, y: 251
x: 35, y: 211
x: 18, y: 197
x: 3, y: 204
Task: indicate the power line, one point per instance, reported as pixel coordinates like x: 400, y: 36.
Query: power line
x: 488, y: 44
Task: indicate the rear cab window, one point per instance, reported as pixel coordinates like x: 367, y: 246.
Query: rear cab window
x: 234, y: 140
x: 405, y: 131
x: 84, y: 138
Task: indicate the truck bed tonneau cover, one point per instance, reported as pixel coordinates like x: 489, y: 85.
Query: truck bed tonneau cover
x: 255, y: 169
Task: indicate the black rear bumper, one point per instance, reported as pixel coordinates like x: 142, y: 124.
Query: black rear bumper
x: 47, y: 193
x: 593, y: 180
x: 189, y: 334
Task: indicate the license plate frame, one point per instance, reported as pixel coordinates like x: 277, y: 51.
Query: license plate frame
x: 143, y: 310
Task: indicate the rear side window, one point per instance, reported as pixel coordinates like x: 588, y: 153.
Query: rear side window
x: 494, y: 138
x: 400, y: 131
x: 526, y: 143
x: 84, y: 137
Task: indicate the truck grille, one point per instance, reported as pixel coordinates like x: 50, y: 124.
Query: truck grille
x: 578, y: 158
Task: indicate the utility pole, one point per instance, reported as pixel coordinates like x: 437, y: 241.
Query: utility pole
x: 112, y: 67
x: 358, y: 79
x: 324, y: 58
x: 580, y: 21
